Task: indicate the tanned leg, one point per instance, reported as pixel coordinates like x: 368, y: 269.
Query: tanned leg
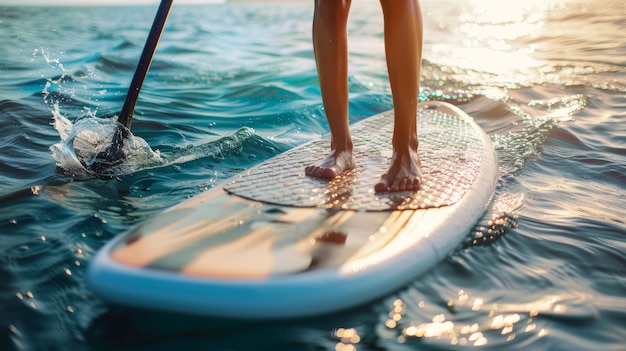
x: 403, y: 48
x: 330, y: 43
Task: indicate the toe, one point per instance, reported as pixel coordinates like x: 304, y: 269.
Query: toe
x: 320, y: 172
x: 397, y: 185
x: 309, y: 170
x: 417, y: 183
x: 381, y: 186
x: 327, y: 173
x: 403, y: 184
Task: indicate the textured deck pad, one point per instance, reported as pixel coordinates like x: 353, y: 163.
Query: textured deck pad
x: 450, y: 150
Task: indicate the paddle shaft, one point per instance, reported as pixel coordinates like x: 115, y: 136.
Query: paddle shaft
x: 115, y: 153
x: 126, y: 115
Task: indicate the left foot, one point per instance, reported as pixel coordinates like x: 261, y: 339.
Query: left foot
x: 404, y: 174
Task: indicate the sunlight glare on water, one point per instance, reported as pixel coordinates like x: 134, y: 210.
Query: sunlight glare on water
x: 486, y: 35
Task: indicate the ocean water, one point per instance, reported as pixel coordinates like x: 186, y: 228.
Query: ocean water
x: 234, y: 84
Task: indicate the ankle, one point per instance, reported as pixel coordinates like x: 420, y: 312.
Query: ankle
x: 344, y: 146
x: 405, y: 146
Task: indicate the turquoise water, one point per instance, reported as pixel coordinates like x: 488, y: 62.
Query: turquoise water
x: 235, y: 84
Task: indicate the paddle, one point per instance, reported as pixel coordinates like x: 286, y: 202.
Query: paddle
x: 114, y: 153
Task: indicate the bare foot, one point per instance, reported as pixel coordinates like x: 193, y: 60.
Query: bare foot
x: 331, y: 166
x: 404, y: 173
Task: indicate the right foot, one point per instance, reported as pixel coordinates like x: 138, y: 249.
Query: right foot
x: 333, y: 165
x: 404, y: 174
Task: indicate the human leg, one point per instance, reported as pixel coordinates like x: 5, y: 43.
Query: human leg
x: 403, y: 49
x: 330, y: 43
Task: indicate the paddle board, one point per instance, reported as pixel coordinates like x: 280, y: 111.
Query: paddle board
x: 274, y: 243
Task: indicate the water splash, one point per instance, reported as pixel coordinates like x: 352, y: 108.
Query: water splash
x: 217, y: 150
x: 83, y: 142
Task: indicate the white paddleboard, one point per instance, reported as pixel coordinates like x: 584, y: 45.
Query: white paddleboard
x: 273, y: 243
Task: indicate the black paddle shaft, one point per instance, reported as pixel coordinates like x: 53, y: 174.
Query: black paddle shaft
x: 114, y: 153
x: 126, y: 115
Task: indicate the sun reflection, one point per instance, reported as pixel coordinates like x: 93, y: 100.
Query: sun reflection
x: 497, y: 11
x: 348, y: 337
x: 477, y: 304
x: 543, y: 332
x: 396, y: 313
x: 496, y: 39
x: 344, y: 347
x: 477, y: 323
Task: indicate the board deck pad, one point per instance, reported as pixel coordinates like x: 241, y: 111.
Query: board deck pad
x: 447, y: 145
